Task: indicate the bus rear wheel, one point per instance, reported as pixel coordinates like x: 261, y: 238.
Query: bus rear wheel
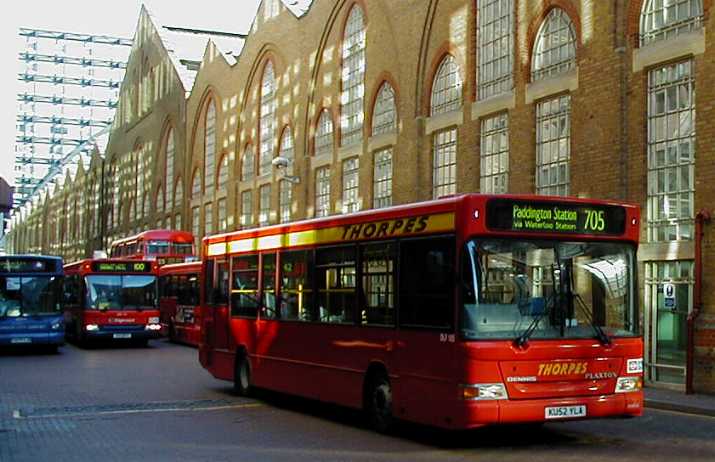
x: 379, y: 404
x: 242, y: 376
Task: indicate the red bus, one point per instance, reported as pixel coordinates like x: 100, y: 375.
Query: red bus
x: 112, y: 300
x: 164, y: 246
x: 459, y: 312
x: 179, y: 286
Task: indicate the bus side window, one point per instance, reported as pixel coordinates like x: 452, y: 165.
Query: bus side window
x: 71, y: 290
x: 377, y: 305
x: 296, y: 286
x: 191, y: 285
x: 220, y: 294
x: 336, y: 278
x: 244, y: 288
x: 268, y: 289
x: 427, y: 278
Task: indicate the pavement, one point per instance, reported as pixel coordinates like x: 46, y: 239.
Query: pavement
x: 678, y: 401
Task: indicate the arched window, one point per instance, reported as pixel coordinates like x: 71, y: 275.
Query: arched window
x: 115, y: 193
x: 353, y: 79
x: 178, y: 194
x: 555, y: 46
x: 447, y: 87
x: 170, y: 159
x: 267, y: 129
x: 196, y: 185
x: 662, y: 19
x: 384, y: 114
x: 159, y: 204
x: 210, y: 145
x: 248, y: 164
x: 324, y: 134
x: 285, y: 188
x: 223, y: 173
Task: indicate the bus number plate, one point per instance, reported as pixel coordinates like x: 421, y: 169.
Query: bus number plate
x: 21, y: 340
x: 122, y: 336
x: 565, y: 412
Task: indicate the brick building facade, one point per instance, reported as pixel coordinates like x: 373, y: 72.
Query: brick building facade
x: 375, y: 102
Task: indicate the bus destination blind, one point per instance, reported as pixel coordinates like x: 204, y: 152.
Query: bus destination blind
x: 25, y: 265
x: 121, y: 267
x: 555, y: 217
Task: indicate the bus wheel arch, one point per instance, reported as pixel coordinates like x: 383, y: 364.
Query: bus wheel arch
x: 242, y: 373
x: 377, y: 398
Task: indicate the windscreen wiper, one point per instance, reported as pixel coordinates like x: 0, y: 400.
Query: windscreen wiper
x: 601, y: 335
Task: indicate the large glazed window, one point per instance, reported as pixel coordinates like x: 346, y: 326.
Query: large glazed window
x: 353, y: 79
x: 351, y: 177
x: 322, y: 192
x: 170, y: 161
x: 444, y: 167
x: 671, y: 152
x: 446, y: 88
x: 494, y: 153
x: 384, y: 115
x: 267, y: 128
x: 210, y: 146
x: 552, y: 289
x: 495, y: 37
x: 553, y: 146
x: 382, y: 179
x: 555, y: 46
x: 324, y: 134
x: 663, y: 19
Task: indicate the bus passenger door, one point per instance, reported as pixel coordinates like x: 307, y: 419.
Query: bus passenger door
x: 425, y: 364
x: 218, y: 306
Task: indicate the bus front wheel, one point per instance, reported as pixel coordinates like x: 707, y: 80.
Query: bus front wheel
x: 379, y: 404
x: 242, y: 376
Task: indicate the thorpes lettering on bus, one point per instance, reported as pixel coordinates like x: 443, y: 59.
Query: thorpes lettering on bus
x: 385, y: 228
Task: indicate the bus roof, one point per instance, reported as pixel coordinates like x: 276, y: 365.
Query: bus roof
x: 158, y: 235
x: 180, y: 268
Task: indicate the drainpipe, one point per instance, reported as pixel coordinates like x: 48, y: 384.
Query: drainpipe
x: 701, y: 218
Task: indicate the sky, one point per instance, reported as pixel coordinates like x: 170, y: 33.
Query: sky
x: 100, y: 17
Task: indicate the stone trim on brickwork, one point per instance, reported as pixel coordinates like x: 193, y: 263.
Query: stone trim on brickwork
x: 568, y: 81
x: 352, y: 150
x: 440, y: 121
x: 666, y: 251
x: 691, y: 43
x: 499, y: 103
x: 321, y: 161
x: 381, y: 141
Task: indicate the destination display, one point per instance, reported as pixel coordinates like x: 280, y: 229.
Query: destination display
x: 555, y: 217
x: 26, y: 265
x: 121, y: 267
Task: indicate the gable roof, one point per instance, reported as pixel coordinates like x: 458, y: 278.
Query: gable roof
x: 297, y: 7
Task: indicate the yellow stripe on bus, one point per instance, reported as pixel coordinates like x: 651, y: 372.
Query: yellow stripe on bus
x: 409, y: 226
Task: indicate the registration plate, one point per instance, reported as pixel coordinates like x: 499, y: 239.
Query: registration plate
x: 565, y: 412
x: 21, y: 340
x: 122, y: 336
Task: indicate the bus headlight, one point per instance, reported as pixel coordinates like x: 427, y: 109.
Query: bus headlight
x: 483, y: 391
x: 154, y: 320
x: 91, y: 327
x: 153, y: 327
x: 628, y: 384
x: 56, y: 326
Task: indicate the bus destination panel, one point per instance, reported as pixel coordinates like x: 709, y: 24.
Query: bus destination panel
x: 555, y: 217
x: 121, y: 267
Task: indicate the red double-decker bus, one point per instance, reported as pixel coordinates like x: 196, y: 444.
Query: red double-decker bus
x: 112, y: 300
x: 458, y: 312
x: 164, y: 246
x: 179, y: 286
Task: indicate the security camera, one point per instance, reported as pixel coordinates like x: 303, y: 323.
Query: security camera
x: 280, y: 162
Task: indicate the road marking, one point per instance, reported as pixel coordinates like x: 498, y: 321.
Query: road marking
x: 687, y: 414
x: 17, y: 414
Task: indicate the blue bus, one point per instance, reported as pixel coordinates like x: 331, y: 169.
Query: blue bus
x: 31, y: 301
